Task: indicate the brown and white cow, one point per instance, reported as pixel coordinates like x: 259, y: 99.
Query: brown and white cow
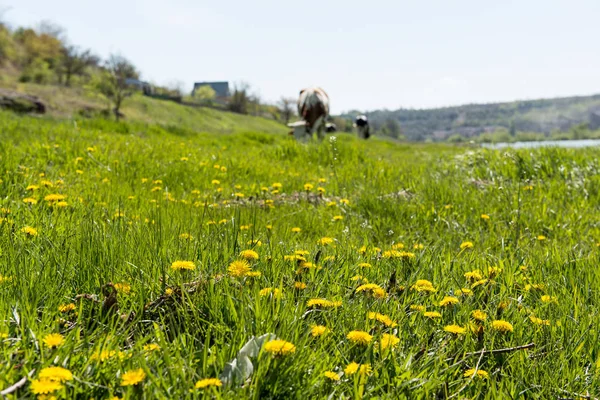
x: 313, y: 108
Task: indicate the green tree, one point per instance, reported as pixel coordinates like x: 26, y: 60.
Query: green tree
x: 113, y: 83
x: 8, y: 51
x: 240, y: 99
x: 75, y: 62
x: 204, y: 95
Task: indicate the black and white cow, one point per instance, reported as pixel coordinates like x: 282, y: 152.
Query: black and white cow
x: 362, y: 127
x: 313, y: 108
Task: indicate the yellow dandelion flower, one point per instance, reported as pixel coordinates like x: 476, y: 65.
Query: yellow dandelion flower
x: 466, y: 245
x: 534, y: 286
x: 423, y: 285
x: 418, y: 246
x: 480, y: 283
x: 32, y: 188
x: 277, y: 185
x: 418, y: 307
x: 299, y: 285
x: 359, y: 337
x: 465, y: 292
x: 186, y: 236
x: 208, y: 382
x: 362, y: 369
x: 455, y: 329
x: 345, y: 202
x: 384, y: 319
x: 432, y: 314
x: 549, y: 299
x: 183, y: 265
x: 449, y: 301
x: 541, y: 238
x: 502, y: 326
x: 364, y: 265
x: 29, y: 231
x: 151, y: 347
x: 318, y: 330
x: 270, y: 291
x: 388, y: 341
x: 539, y: 321
x: 323, y: 303
x: 54, y: 198
x: 132, y: 378
x: 334, y: 376
x: 485, y: 217
x: 324, y: 241
x: 294, y: 257
x: 279, y: 347
x: 103, y: 355
x: 249, y: 255
x: 373, y: 289
x: 123, y: 288
x: 53, y: 340
x: 296, y: 230
x: 351, y: 368
x: 44, y: 386
x: 479, y: 315
x: 481, y: 374
x: 308, y: 187
x: 65, y: 308
x: 239, y: 268
x: 338, y: 217
x: 254, y: 242
x: 30, y: 200
x: 58, y: 374
x: 473, y: 275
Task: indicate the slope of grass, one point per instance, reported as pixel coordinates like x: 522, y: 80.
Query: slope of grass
x: 512, y: 234
x: 71, y: 102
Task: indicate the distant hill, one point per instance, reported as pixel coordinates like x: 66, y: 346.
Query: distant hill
x: 543, y: 116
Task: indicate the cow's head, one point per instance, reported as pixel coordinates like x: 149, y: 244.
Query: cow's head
x: 299, y: 129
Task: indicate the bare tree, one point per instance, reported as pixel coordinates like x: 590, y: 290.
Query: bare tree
x: 115, y: 82
x: 49, y: 28
x: 287, y: 107
x: 74, y: 62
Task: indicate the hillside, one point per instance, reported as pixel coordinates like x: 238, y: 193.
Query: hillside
x: 63, y: 102
x: 543, y: 116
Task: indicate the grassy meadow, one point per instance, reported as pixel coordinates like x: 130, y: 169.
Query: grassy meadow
x: 143, y: 259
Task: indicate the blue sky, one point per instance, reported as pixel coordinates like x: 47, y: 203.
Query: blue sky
x: 365, y: 54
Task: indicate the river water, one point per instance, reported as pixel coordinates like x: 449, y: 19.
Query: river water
x: 548, y: 143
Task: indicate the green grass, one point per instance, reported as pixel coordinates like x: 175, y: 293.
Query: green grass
x: 63, y: 102
x: 134, y: 190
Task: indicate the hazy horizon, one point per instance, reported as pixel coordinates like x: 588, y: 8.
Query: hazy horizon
x: 388, y: 55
